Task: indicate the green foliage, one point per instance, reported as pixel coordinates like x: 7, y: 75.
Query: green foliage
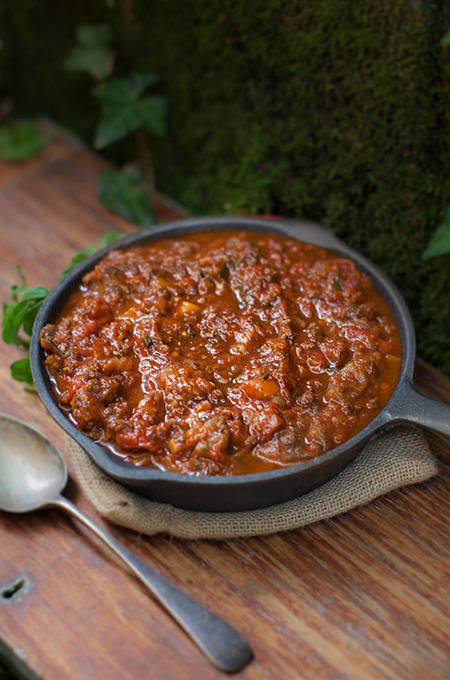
x: 446, y: 40
x: 324, y: 110
x: 332, y: 111
x: 124, y: 110
x: 21, y: 371
x: 105, y: 240
x: 19, y: 316
x: 122, y: 190
x: 21, y: 140
x: 93, y: 53
x: 440, y: 243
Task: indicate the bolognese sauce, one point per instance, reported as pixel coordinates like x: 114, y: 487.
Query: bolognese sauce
x: 223, y: 352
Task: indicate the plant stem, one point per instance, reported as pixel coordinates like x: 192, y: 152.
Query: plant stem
x: 145, y: 157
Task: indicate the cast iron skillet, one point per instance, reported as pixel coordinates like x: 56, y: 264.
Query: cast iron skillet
x: 258, y: 490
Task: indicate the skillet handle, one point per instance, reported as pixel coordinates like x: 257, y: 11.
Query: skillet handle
x: 409, y: 405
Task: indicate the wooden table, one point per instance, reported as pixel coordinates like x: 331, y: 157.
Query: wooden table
x: 363, y: 596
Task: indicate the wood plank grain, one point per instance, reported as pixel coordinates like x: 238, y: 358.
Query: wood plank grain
x: 364, y: 595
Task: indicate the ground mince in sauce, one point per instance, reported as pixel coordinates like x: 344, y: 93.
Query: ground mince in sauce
x: 223, y: 352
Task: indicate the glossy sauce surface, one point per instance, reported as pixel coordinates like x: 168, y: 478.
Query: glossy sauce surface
x: 223, y: 352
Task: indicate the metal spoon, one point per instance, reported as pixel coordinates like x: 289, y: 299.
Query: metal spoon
x: 33, y: 473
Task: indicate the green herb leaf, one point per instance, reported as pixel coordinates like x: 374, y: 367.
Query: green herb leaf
x: 21, y: 371
x: 21, y: 315
x: 336, y: 285
x: 31, y: 315
x: 38, y: 293
x: 22, y: 140
x: 440, y: 242
x: 17, y: 290
x: 223, y: 271
x: 105, y: 240
x: 123, y: 190
x: 13, y: 316
x: 77, y: 258
x: 446, y: 40
x: 109, y: 238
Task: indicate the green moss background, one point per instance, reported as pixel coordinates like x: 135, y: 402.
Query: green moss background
x: 327, y: 109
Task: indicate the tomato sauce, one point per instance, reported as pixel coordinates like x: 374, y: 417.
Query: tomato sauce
x: 223, y: 352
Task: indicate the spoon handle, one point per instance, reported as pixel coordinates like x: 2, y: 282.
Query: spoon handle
x: 221, y: 643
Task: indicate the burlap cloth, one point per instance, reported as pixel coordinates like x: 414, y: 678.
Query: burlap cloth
x: 394, y: 458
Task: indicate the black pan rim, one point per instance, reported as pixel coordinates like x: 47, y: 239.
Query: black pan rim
x: 138, y: 476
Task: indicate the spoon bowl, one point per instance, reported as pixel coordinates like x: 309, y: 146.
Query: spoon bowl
x: 33, y: 473
x: 32, y: 470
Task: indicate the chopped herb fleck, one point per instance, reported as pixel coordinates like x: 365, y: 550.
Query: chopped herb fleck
x: 148, y: 340
x: 337, y: 285
x: 223, y: 271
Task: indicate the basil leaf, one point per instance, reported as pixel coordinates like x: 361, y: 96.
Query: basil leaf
x: 76, y: 259
x: 38, y: 293
x: 30, y: 316
x: 13, y: 316
x: 21, y: 371
x: 109, y: 238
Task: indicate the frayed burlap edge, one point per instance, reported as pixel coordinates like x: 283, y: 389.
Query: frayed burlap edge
x: 397, y: 457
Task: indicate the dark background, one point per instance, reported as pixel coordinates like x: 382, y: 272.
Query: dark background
x: 331, y: 110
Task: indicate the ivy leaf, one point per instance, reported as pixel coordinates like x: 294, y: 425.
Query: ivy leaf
x: 153, y: 113
x: 123, y: 190
x: 446, y: 40
x: 123, y: 111
x: 21, y: 371
x: 99, y: 35
x: 144, y: 79
x: 90, y: 59
x: 93, y: 53
x: 116, y: 90
x: 22, y: 140
x: 440, y: 242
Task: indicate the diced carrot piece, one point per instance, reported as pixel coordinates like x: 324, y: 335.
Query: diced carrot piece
x: 162, y: 282
x: 186, y: 308
x: 256, y: 388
